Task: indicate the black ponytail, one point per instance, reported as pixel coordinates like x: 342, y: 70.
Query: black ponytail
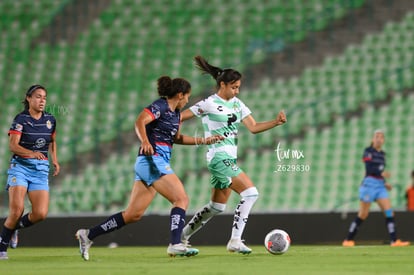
x: 225, y: 75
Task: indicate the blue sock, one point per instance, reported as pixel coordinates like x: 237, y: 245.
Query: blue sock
x: 177, y: 222
x: 114, y: 222
x: 353, y: 229
x: 5, y: 236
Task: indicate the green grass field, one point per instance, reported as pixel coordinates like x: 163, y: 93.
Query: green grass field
x: 212, y: 260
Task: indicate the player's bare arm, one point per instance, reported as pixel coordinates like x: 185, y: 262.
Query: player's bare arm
x: 187, y: 114
x: 188, y: 140
x: 53, y: 155
x: 143, y: 119
x: 21, y: 151
x: 258, y: 127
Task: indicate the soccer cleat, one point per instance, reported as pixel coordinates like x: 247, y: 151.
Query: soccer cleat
x: 348, y: 243
x: 84, y: 243
x: 14, y: 240
x: 400, y: 243
x: 3, y: 255
x: 237, y: 245
x: 181, y: 249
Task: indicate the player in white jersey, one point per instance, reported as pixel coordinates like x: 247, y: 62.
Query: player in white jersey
x: 222, y: 114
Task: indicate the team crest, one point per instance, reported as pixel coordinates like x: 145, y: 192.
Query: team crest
x: 48, y: 124
x: 236, y: 107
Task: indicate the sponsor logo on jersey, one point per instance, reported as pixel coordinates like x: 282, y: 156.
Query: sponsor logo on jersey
x: 40, y: 142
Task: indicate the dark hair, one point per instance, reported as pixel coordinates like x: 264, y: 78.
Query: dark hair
x: 168, y: 87
x: 225, y: 75
x: 29, y: 93
x: 412, y: 173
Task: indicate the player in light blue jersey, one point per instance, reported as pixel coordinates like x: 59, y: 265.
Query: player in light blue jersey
x: 222, y: 114
x: 31, y: 138
x: 157, y: 128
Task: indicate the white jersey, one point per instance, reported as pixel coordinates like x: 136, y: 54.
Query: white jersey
x: 221, y: 117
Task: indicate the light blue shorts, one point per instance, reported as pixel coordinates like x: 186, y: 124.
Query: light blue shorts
x: 30, y: 173
x: 372, y: 189
x: 150, y: 168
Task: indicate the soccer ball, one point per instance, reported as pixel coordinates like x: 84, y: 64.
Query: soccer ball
x: 277, y: 241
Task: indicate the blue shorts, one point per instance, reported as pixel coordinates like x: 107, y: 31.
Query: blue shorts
x: 372, y: 189
x: 150, y: 168
x: 30, y: 173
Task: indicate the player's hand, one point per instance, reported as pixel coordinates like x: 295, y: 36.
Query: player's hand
x: 146, y: 149
x: 38, y: 155
x: 281, y: 118
x: 213, y: 139
x: 388, y: 186
x: 56, y: 169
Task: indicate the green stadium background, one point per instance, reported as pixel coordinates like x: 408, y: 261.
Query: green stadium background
x: 337, y: 77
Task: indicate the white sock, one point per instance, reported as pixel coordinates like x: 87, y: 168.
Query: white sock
x: 201, y: 217
x: 241, y: 214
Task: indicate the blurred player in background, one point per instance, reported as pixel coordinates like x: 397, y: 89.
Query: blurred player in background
x: 222, y: 114
x: 374, y: 188
x: 409, y: 194
x: 157, y: 127
x: 31, y: 138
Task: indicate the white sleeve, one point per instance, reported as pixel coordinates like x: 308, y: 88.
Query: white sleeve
x: 200, y: 108
x: 245, y: 111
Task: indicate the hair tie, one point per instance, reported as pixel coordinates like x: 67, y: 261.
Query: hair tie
x: 34, y: 88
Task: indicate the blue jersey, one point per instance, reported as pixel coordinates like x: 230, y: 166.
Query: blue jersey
x: 374, y: 162
x: 162, y: 130
x: 36, y: 134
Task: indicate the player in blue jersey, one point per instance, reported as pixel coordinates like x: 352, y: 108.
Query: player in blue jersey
x: 374, y: 188
x: 222, y: 113
x: 157, y: 127
x: 31, y: 138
